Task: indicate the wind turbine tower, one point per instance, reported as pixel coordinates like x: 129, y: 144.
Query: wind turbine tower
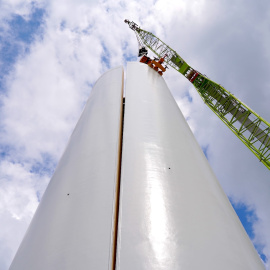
x: 133, y: 190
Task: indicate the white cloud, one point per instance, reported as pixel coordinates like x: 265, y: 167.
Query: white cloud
x: 47, y: 88
x: 19, y: 191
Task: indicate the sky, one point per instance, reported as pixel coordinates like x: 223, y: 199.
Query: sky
x: 51, y: 54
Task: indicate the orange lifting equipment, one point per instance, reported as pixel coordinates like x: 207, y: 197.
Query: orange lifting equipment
x: 153, y: 63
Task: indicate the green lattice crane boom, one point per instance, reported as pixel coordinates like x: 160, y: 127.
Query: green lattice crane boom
x: 247, y: 125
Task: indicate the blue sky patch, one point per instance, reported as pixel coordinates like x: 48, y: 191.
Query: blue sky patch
x: 248, y: 217
x: 45, y: 167
x: 131, y: 58
x: 189, y: 97
x: 4, y: 151
x: 63, y: 25
x: 105, y: 57
x: 17, y: 39
x: 25, y: 30
x: 38, y: 194
x: 205, y: 150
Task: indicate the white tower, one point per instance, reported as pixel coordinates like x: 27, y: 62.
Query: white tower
x: 133, y: 190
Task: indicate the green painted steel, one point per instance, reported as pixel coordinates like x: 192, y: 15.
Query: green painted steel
x: 248, y: 126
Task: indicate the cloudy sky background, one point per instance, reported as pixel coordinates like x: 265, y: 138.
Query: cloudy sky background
x: 51, y: 54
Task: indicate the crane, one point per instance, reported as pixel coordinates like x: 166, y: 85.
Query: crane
x: 246, y: 124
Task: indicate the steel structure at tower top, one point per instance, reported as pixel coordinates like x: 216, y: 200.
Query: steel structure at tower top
x: 247, y: 125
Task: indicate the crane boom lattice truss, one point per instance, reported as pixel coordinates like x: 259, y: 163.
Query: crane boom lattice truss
x: 247, y: 125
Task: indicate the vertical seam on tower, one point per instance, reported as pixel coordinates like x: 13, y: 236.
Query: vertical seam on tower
x: 118, y: 182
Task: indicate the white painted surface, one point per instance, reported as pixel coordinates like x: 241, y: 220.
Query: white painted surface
x: 173, y: 212
x: 75, y: 231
